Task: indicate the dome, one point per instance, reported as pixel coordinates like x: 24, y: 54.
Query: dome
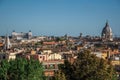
x: 107, y: 32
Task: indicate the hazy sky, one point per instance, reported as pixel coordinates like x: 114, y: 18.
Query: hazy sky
x: 58, y: 17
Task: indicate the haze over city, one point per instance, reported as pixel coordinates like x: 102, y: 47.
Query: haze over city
x: 59, y: 39
x: 58, y: 17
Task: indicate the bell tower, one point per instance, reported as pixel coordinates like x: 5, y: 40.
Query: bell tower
x: 7, y: 44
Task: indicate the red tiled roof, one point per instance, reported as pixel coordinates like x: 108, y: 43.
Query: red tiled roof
x: 1, y: 44
x: 49, y: 43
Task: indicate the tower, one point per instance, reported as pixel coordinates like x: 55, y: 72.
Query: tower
x: 107, y: 34
x: 13, y: 34
x: 7, y: 44
x: 29, y: 34
x: 66, y: 36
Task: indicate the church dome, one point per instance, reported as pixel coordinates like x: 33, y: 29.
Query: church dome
x: 107, y: 32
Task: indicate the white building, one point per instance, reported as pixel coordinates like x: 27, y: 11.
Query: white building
x: 7, y: 44
x: 54, y: 56
x: 20, y: 36
x: 107, y: 34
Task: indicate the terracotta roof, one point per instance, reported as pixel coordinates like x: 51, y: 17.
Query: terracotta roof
x: 1, y: 44
x: 49, y: 43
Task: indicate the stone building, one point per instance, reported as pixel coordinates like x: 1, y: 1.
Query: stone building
x: 107, y: 34
x: 21, y: 35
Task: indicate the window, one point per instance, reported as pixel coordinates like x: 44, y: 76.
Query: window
x: 4, y: 57
x: 40, y: 56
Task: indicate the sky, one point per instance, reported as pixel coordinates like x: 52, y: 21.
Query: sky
x: 59, y: 17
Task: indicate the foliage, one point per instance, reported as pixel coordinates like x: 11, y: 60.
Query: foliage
x: 87, y: 67
x: 59, y: 39
x: 4, y: 65
x: 21, y: 69
x: 59, y: 75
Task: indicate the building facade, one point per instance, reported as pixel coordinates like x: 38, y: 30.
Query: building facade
x: 20, y: 36
x: 7, y: 44
x: 107, y: 34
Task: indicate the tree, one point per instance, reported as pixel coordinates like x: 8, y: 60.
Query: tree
x: 17, y: 69
x: 21, y: 69
x: 87, y: 67
x: 59, y: 75
x: 80, y: 35
x: 4, y: 65
x: 67, y: 69
x: 34, y: 70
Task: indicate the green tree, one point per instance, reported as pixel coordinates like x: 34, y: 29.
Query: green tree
x: 59, y: 75
x: 88, y: 67
x: 4, y: 65
x: 34, y: 70
x: 17, y: 69
x: 67, y: 69
x: 21, y: 69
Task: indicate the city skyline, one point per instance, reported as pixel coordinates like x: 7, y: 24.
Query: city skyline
x: 59, y: 17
